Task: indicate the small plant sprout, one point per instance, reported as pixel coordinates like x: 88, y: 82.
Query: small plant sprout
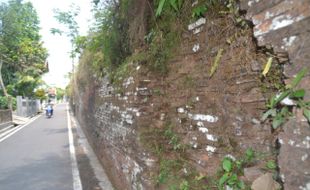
x: 271, y: 165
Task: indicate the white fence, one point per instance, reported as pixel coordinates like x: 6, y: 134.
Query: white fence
x: 27, y: 107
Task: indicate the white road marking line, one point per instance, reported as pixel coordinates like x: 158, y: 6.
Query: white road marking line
x: 19, y: 128
x: 9, y: 131
x: 6, y: 128
x: 77, y: 185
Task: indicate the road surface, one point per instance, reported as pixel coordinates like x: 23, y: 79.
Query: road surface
x: 37, y: 157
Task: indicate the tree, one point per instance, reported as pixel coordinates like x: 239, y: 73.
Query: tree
x: 21, y: 48
x: 3, y: 88
x: 60, y: 93
x: 40, y: 94
x: 68, y: 19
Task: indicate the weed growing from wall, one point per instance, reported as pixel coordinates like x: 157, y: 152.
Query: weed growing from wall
x: 280, y: 106
x: 231, y: 169
x: 109, y: 37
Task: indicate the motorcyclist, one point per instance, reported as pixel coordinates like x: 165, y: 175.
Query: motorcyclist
x: 49, y: 106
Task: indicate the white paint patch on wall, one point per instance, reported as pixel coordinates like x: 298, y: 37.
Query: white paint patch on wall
x: 202, y: 117
x: 196, y: 24
x: 196, y: 48
x: 287, y: 42
x: 268, y: 15
x: 250, y: 3
x: 197, y: 30
x: 211, y: 137
x: 304, y: 157
x: 210, y: 149
x: 203, y: 129
x: 181, y: 110
x: 128, y: 82
x: 276, y: 23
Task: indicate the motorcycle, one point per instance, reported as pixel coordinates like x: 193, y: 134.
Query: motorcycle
x: 48, y: 112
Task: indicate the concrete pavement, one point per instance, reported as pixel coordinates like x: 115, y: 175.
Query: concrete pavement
x: 37, y: 157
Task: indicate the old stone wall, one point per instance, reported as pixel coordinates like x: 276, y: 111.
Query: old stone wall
x: 108, y: 117
x: 213, y: 115
x: 5, y: 118
x: 284, y: 26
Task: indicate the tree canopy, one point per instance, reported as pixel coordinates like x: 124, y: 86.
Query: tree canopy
x: 21, y: 48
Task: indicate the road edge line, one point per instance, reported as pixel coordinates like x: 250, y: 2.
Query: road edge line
x: 77, y: 185
x: 20, y: 128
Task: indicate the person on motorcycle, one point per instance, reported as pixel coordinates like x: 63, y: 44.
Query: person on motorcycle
x: 49, y: 106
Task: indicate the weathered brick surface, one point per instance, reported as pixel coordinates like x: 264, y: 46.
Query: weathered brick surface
x: 284, y: 25
x: 215, y: 115
x: 108, y: 121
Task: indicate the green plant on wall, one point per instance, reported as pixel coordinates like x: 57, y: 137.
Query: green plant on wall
x: 199, y: 11
x: 278, y: 112
x: 232, y: 168
x: 164, y: 4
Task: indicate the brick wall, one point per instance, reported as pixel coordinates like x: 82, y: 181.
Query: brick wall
x: 215, y: 116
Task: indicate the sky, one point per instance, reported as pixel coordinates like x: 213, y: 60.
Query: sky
x: 59, y: 46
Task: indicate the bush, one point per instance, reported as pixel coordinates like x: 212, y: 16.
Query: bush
x: 4, y: 103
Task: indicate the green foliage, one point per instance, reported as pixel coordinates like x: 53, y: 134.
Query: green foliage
x: 231, y: 169
x: 162, y: 41
x: 173, y: 138
x: 4, y: 102
x: 277, y: 112
x: 21, y: 48
x: 271, y: 165
x: 199, y: 11
x: 184, y: 185
x: 227, y: 165
x: 69, y: 90
x: 176, y: 5
x: 68, y: 19
x: 40, y: 94
x: 232, y: 7
x: 119, y: 74
x: 167, y: 170
x: 26, y: 85
x: 109, y: 41
x: 60, y: 93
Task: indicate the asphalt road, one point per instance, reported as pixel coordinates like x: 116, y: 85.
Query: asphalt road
x: 37, y: 157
